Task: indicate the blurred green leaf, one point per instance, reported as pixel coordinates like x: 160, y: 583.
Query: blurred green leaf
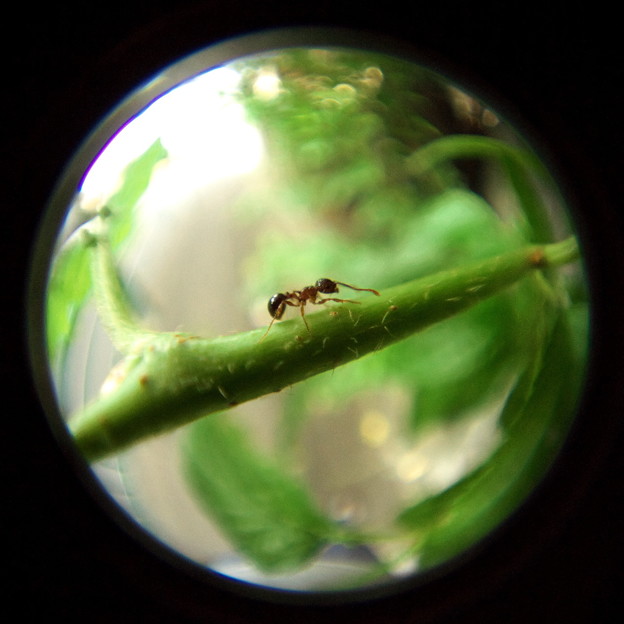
x: 69, y: 286
x: 446, y: 524
x: 267, y: 515
x: 136, y: 178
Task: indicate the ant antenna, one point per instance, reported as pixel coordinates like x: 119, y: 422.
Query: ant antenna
x: 356, y: 288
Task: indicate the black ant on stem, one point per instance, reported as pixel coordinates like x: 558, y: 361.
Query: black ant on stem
x: 299, y: 298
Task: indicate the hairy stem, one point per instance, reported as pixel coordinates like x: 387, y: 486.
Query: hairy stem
x: 168, y: 380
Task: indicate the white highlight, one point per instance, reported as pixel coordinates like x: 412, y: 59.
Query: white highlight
x: 202, y: 127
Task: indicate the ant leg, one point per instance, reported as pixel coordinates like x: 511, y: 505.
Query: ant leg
x: 303, y: 318
x: 267, y: 331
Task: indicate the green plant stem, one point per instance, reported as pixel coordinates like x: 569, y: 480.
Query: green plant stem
x: 168, y: 380
x: 113, y: 307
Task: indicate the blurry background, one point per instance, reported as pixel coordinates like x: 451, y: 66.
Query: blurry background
x: 264, y: 175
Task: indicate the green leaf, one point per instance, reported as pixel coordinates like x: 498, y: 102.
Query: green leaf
x: 448, y: 523
x: 266, y: 514
x: 136, y: 179
x: 68, y: 288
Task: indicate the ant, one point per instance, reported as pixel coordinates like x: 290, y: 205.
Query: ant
x: 299, y: 298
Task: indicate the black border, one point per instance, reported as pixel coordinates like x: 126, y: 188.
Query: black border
x: 556, y: 560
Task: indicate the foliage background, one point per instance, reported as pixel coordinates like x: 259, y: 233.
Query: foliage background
x: 366, y: 188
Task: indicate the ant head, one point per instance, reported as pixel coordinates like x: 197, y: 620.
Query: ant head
x: 326, y: 286
x: 276, y: 305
